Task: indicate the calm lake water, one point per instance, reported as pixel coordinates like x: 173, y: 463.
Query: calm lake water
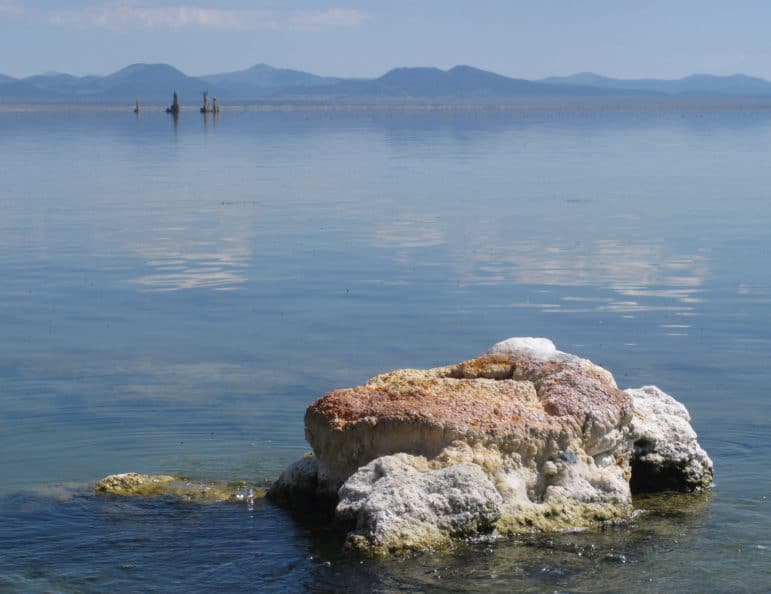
x: 173, y: 297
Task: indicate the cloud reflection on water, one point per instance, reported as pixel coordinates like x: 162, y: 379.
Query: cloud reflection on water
x: 641, y: 276
x: 177, y: 260
x: 418, y: 231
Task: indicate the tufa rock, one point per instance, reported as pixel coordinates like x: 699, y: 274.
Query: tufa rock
x: 523, y: 438
x: 297, y: 484
x: 399, y: 502
x: 146, y: 485
x: 666, y: 455
x: 174, y: 108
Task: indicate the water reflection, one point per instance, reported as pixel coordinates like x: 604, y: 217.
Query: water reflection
x: 175, y: 119
x: 646, y: 274
x: 207, y: 116
x: 180, y: 259
x: 408, y: 232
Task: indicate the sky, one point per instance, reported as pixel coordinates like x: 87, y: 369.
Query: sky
x: 527, y: 39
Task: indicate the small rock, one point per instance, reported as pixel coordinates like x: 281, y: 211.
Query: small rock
x: 147, y: 485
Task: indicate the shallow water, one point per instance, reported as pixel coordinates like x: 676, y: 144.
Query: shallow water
x: 173, y: 297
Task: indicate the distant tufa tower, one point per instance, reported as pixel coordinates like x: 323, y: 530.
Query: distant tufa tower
x: 174, y: 109
x: 213, y: 107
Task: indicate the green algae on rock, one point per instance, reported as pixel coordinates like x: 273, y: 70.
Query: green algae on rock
x: 150, y: 485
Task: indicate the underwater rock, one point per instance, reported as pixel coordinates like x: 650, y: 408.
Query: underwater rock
x: 146, y: 485
x: 524, y: 438
x: 666, y: 455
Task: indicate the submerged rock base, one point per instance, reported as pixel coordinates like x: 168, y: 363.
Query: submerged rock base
x: 524, y: 438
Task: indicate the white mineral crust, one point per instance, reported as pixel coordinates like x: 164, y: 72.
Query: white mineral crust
x: 665, y: 448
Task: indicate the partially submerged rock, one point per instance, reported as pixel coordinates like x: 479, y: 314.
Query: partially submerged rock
x: 146, y: 485
x: 522, y: 438
x: 666, y: 455
x: 297, y: 485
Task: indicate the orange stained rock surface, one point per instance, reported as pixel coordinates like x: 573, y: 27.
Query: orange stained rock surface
x: 494, y: 394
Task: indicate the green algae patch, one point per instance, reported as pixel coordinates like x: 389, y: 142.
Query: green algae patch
x: 560, y: 517
x: 400, y: 545
x: 405, y: 545
x: 132, y: 484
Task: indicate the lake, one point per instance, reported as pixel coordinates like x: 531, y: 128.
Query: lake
x: 174, y: 294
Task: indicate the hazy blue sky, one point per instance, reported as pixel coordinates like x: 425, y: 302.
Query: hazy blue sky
x: 355, y: 38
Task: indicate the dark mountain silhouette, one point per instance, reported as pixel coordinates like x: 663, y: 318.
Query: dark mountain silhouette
x: 150, y: 82
x: 51, y: 85
x: 154, y: 84
x: 264, y: 79
x: 4, y: 78
x: 40, y: 88
x: 457, y: 83
x: 696, y: 84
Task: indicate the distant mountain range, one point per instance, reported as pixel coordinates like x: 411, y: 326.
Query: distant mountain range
x: 263, y: 78
x: 154, y: 84
x: 696, y: 84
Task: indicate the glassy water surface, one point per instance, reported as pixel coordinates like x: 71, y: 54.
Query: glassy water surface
x: 173, y: 297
